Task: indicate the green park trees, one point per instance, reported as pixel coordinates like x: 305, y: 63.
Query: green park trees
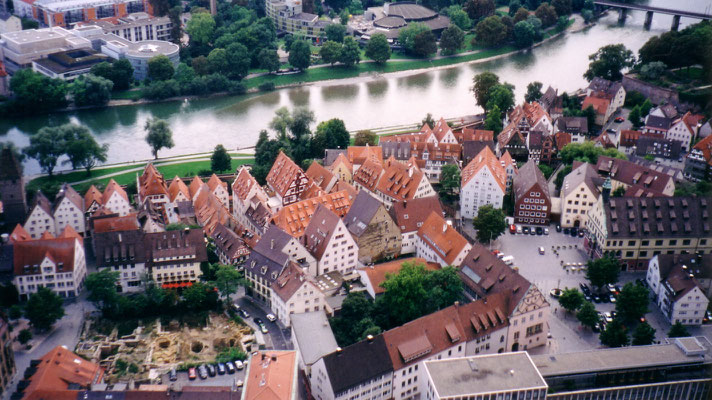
x: 678, y: 330
x: 200, y: 28
x: 331, y: 134
x: 603, y: 271
x: 609, y: 62
x: 493, y: 122
x: 102, y: 290
x: 220, y: 160
x: 632, y: 303
x: 228, y: 280
x: 91, y: 90
x: 119, y: 72
x: 36, y: 92
x: 449, y: 181
x: 490, y: 223
x: 44, y: 308
x: 365, y: 137
x: 587, y: 315
x: 300, y: 54
x: 417, y: 39
x: 482, y: 83
x: 158, y: 135
x: 491, y: 32
x: 571, y: 299
x: 50, y: 143
x: 615, y: 334
x: 452, y: 40
x: 643, y: 334
x: 330, y: 52
x: 378, y: 49
x: 533, y: 92
x: 160, y: 68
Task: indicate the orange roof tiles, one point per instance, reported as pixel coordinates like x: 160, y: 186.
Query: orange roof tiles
x: 705, y: 146
x: 562, y: 139
x: 31, y: 252
x: 151, y: 182
x: 294, y: 218
x: 377, y: 273
x: 441, y: 129
x: 271, y: 375
x: 112, y: 187
x: 244, y: 182
x: 93, y: 195
x: 369, y: 174
x: 209, y: 211
x: 341, y: 159
x: 283, y: 173
x: 195, y: 185
x: 116, y: 224
x: 320, y: 175
x: 341, y: 185
x: 19, y: 234
x: 399, y: 181
x: 445, y: 241
x: 485, y: 158
x: 177, y: 187
x: 70, y: 233
x: 214, y: 182
x: 478, y: 135
x: 358, y: 155
x: 57, y: 370
x: 600, y: 104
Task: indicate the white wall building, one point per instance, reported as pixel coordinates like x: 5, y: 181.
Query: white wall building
x: 69, y: 210
x: 439, y: 242
x: 40, y: 219
x: 671, y: 277
x: 329, y: 241
x: 578, y: 194
x: 484, y: 181
x: 295, y: 292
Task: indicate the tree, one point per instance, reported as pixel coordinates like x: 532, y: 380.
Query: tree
x: 514, y: 6
x: 493, y: 122
x: 608, y: 62
x: 199, y: 296
x: 491, y: 32
x: 546, y: 170
x: 217, y: 61
x: 603, y: 271
x: 160, y: 68
x: 571, y: 299
x: 501, y: 96
x: 428, y: 120
x: 587, y: 15
x: 331, y: 134
x: 634, y: 117
x: 547, y: 14
x: 490, y: 223
x: 46, y: 146
x: 227, y: 280
x: 36, y: 92
x: 200, y: 65
x: 562, y: 7
x: 452, y: 40
x: 614, y: 335
x: 330, y: 52
x: 24, y: 336
x: 335, y: 32
x: 533, y: 92
x: 562, y: 23
x: 407, y: 35
x: 482, y: 83
x: 350, y: 52
x: 365, y: 137
x: 120, y: 73
x: 220, y: 160
x: 268, y: 59
x: 378, y: 49
x: 643, y: 334
x: 353, y: 319
x: 425, y: 44
x: 590, y: 114
x: 449, y: 181
x: 44, y: 308
x: 161, y: 7
x: 524, y: 34
x: 102, y: 290
x: 200, y: 28
x: 238, y: 60
x: 81, y: 147
x: 521, y: 15
x: 158, y: 135
x: 678, y: 330
x: 14, y: 312
x: 174, y: 15
x: 300, y: 54
x: 587, y: 315
x: 587, y: 152
x: 632, y: 302
x: 461, y: 19
x: 478, y: 9
x: 645, y: 107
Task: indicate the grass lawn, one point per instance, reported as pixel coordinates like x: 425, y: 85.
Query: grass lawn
x: 72, y: 176
x: 127, y: 95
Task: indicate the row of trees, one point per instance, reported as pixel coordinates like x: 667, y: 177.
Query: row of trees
x: 411, y: 293
x: 495, y: 97
x: 75, y: 142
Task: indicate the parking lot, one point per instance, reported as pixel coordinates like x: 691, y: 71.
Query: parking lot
x: 230, y: 380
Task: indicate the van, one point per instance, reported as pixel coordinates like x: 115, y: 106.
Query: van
x: 509, y: 260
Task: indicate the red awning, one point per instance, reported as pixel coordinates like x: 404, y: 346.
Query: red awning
x: 176, y: 285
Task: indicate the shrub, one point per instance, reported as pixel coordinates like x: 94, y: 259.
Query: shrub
x: 24, y: 336
x: 266, y: 86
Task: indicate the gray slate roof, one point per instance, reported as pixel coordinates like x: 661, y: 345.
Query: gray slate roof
x: 528, y: 176
x: 654, y: 121
x: 313, y: 335
x: 585, y: 173
x: 652, y: 217
x: 358, y: 363
x: 361, y: 213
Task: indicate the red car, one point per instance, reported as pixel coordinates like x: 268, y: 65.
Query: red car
x: 192, y: 374
x: 619, y: 119
x: 512, y: 229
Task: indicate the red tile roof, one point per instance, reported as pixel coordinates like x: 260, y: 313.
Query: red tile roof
x: 244, y: 182
x: 93, y: 195
x: 320, y: 175
x: 705, y: 146
x: 176, y: 187
x: 410, y: 215
x: 271, y: 375
x: 214, y: 182
x: 112, y: 187
x: 32, y: 252
x: 19, y: 234
x: 294, y: 218
x: 486, y: 158
x: 600, y: 104
x: 562, y: 139
x: 442, y: 238
x: 116, y: 224
x: 195, y: 185
x: 57, y: 370
x: 358, y: 155
x: 283, y: 173
x: 151, y: 182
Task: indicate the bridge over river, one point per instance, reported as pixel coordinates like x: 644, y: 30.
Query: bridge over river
x: 650, y: 10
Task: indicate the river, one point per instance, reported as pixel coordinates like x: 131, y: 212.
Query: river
x: 370, y: 102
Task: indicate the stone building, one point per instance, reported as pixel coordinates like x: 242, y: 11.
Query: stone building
x: 377, y: 235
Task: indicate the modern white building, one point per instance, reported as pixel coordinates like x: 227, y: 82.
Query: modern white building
x: 69, y: 12
x: 20, y: 48
x: 329, y: 241
x: 135, y: 27
x: 484, y: 181
x: 671, y: 277
x: 9, y: 23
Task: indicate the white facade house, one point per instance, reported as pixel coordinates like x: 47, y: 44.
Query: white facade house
x: 115, y: 199
x: 578, y: 194
x: 329, y: 241
x: 247, y: 195
x: 484, y: 181
x: 437, y: 241
x: 295, y: 292
x: 683, y: 130
x: 219, y: 189
x: 671, y: 277
x: 40, y: 219
x: 69, y: 210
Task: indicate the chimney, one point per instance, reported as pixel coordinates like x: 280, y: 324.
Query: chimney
x: 271, y: 244
x: 606, y: 190
x: 457, y: 303
x: 444, y: 228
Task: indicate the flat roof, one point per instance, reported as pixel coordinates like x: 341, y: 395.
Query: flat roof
x: 314, y: 336
x: 484, y: 374
x: 37, y: 35
x: 616, y: 359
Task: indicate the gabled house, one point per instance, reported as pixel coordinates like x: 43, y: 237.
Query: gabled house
x: 174, y: 257
x: 535, y: 145
x: 512, y: 141
x: 92, y: 200
x: 628, y: 141
x: 579, y: 193
x: 115, y: 199
x: 437, y: 241
x: 196, y: 185
x: 666, y: 110
x: 530, y: 117
x: 286, y: 180
x: 577, y: 127
x: 57, y: 263
x: 119, y: 245
x: 219, y: 189
x: 699, y: 161
x: 532, y: 204
x: 342, y: 168
x: 249, y: 202
x: 684, y: 129
x: 471, y: 148
x: 178, y: 191
x: 230, y: 247
x: 295, y: 217
x: 295, y: 292
x: 210, y: 211
x: 151, y: 186
x: 358, y: 155
x: 443, y: 133
x: 68, y: 209
x: 40, y: 218
x: 410, y: 216
x: 510, y: 167
x: 321, y: 176
x: 627, y: 174
x: 655, y: 124
x: 484, y: 181
x: 672, y: 278
x: 393, y: 181
x: 562, y: 139
x: 376, y: 234
x: 605, y: 96
x: 328, y: 240
x: 603, y: 141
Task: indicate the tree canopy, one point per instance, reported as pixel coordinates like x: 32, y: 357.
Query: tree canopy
x: 200, y: 28
x: 501, y: 96
x: 36, y: 92
x: 91, y: 90
x: 632, y: 302
x: 160, y: 68
x: 571, y: 299
x: 482, y: 83
x: 158, y: 135
x: 491, y: 32
x: 451, y: 40
x: 228, y: 280
x: 81, y: 148
x: 493, y: 122
x: 365, y: 137
x: 490, y: 223
x: 46, y: 146
x: 587, y: 315
x: 44, y: 308
x: 378, y: 49
x: 220, y: 160
x: 609, y: 62
x: 331, y: 134
x: 603, y: 271
x: 120, y: 73
x: 678, y: 330
x: 533, y: 92
x: 407, y: 38
x: 615, y: 334
x: 449, y: 181
x: 587, y: 152
x: 102, y: 289
x: 350, y: 52
x: 300, y: 54
x: 643, y: 334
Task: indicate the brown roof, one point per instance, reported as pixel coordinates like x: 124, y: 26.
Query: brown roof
x: 562, y: 139
x: 442, y: 238
x: 377, y: 274
x: 633, y: 174
x: 214, y: 182
x: 313, y: 190
x: 485, y: 158
x: 271, y: 375
x: 290, y: 280
x: 319, y: 175
x: 509, y: 133
x: 477, y: 135
x: 244, y: 181
x: 60, y: 368
x: 680, y: 282
x: 341, y: 159
x: 283, y: 172
x: 629, y: 138
x: 436, y: 152
x: 116, y: 224
x: 32, y: 252
x: 399, y: 181
x: 369, y: 174
x: 162, y: 247
x: 321, y: 228
x: 19, y: 234
x: 411, y: 214
x: 604, y: 140
x: 151, y: 182
x: 229, y: 242
x: 294, y: 218
x: 359, y: 154
x: 176, y: 187
x: 441, y: 129
x: 71, y: 194
x: 195, y: 185
x: 342, y: 185
x: 705, y: 146
x: 600, y: 104
x: 42, y: 202
x: 112, y: 187
x: 93, y: 195
x: 209, y: 211
x: 528, y: 176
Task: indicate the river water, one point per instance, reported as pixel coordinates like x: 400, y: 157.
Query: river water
x: 369, y: 102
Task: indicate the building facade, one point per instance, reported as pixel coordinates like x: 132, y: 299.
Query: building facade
x: 484, y: 181
x: 66, y: 13
x: 699, y: 161
x: 328, y: 239
x: 376, y: 234
x: 295, y: 292
x: 7, y: 356
x: 578, y: 194
x: 437, y: 241
x: 532, y: 204
x: 672, y: 278
x: 174, y: 257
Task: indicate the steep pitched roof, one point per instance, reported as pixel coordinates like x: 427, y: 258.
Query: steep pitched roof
x: 271, y: 375
x: 485, y: 158
x: 442, y: 238
x: 562, y: 139
x: 31, y: 252
x: 59, y: 370
x: 361, y: 213
x: 294, y: 218
x: 604, y: 140
x: 112, y: 187
x: 177, y: 187
x: 572, y: 124
x: 345, y: 186
x: 507, y: 160
x: 10, y: 167
x: 93, y: 195
x: 528, y: 176
x: 272, y: 243
x: 71, y: 194
x: 369, y: 174
x: 441, y: 129
x: 705, y: 147
x: 42, y: 202
x: 195, y: 185
x: 151, y: 182
x: 321, y: 228
x: 584, y: 173
x: 283, y: 172
x: 209, y: 211
x: 116, y: 224
x: 510, y: 135
x: 600, y: 104
x: 341, y: 159
x: 319, y: 175
x: 633, y: 174
x: 214, y: 182
x: 359, y: 154
x: 243, y: 184
x: 655, y: 122
x: 289, y: 281
x: 411, y: 214
x: 399, y: 181
x: 629, y: 138
x: 19, y: 234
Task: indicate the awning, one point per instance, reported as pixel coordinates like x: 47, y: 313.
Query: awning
x: 176, y: 285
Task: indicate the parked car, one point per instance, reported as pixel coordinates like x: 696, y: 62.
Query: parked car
x: 258, y: 321
x: 532, y: 231
x: 236, y: 307
x: 581, y: 233
x: 271, y: 317
x: 519, y: 230
x: 611, y: 130
x: 221, y: 369
x: 173, y: 375
x: 539, y: 230
x: 567, y: 231
x: 612, y: 298
x: 496, y: 252
x: 541, y: 250
x: 211, y: 370
x: 512, y: 229
x: 203, y: 372
x: 264, y: 329
x: 596, y: 299
x: 608, y: 317
x: 546, y: 231
x: 574, y: 232
x: 244, y: 313
x: 584, y: 288
x: 525, y: 230
x: 239, y: 364
x: 192, y: 373
x: 239, y: 383
x: 619, y: 119
x: 230, y: 367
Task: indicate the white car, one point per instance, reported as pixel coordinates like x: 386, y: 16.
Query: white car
x: 607, y: 315
x: 271, y: 317
x: 239, y: 364
x: 239, y: 383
